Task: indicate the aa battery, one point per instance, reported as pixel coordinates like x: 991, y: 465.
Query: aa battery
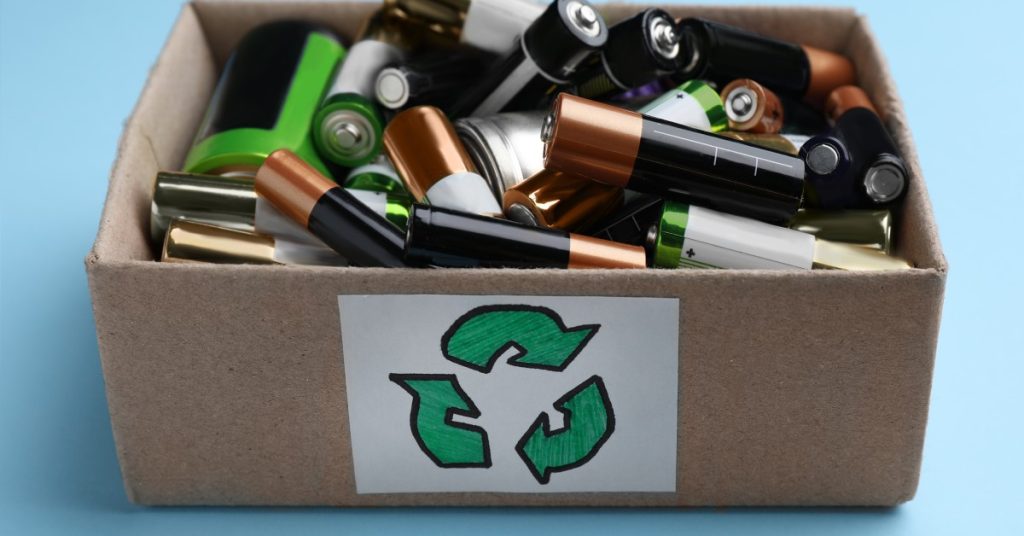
x: 722, y: 53
x: 630, y: 224
x: 434, y: 165
x: 689, y: 236
x: 556, y: 200
x: 265, y: 99
x: 783, y: 143
x: 506, y: 148
x: 639, y: 49
x: 348, y: 127
x: 547, y: 55
x: 844, y: 99
x: 623, y: 148
x: 855, y: 165
x: 694, y: 104
x: 330, y: 212
x: 752, y: 107
x: 443, y: 237
x: 491, y: 25
x: 188, y: 241
x: 378, y: 176
x: 871, y: 229
x: 434, y: 80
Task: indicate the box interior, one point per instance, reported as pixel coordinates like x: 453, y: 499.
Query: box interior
x: 160, y: 130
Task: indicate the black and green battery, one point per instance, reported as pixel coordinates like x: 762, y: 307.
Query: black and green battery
x: 348, y: 129
x: 266, y: 99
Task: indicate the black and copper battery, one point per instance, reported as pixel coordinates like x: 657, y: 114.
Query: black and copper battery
x: 333, y: 214
x: 556, y: 200
x: 450, y: 238
x: 490, y: 25
x: 855, y: 165
x: 434, y: 165
x: 721, y: 53
x: 625, y: 149
x: 639, y: 50
x: 188, y: 241
x: 546, y: 56
x: 433, y: 79
x: 752, y: 107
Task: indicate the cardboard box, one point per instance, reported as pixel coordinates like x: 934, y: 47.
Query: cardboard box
x: 226, y: 384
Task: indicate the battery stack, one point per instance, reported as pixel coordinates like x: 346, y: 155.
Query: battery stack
x: 514, y: 134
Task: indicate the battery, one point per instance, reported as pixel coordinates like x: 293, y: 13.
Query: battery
x: 855, y: 165
x: 844, y: 99
x: 434, y: 165
x: 333, y: 214
x: 694, y: 104
x: 556, y: 200
x: 347, y: 128
x: 721, y: 53
x: 506, y: 148
x: 623, y: 148
x: 265, y: 99
x: 442, y: 237
x: 433, y: 79
x: 871, y: 229
x: 490, y: 25
x: 188, y: 241
x: 752, y: 107
x: 631, y: 223
x: 639, y: 50
x: 783, y: 143
x: 546, y: 56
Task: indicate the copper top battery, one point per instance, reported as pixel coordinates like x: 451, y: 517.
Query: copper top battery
x: 844, y: 99
x: 623, y: 148
x: 752, y: 107
x: 428, y: 155
x: 451, y: 238
x: 560, y: 201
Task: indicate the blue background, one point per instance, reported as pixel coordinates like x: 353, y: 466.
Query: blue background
x: 70, y: 74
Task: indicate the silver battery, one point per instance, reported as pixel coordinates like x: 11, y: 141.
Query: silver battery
x: 506, y: 148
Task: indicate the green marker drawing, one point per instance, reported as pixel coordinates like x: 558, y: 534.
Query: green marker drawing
x: 478, y: 338
x: 436, y: 398
x: 590, y: 421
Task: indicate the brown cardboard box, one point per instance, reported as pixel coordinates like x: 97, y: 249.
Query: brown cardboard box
x: 226, y: 383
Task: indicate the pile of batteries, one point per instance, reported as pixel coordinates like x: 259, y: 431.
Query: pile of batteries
x: 502, y: 133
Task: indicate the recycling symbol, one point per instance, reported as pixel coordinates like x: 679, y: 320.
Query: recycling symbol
x: 541, y: 341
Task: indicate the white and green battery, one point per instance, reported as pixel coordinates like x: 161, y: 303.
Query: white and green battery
x: 694, y: 104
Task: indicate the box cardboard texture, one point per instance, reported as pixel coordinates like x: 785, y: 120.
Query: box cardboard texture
x: 226, y: 383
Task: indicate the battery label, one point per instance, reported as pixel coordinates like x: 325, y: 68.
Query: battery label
x: 516, y: 394
x: 464, y: 191
x: 717, y: 240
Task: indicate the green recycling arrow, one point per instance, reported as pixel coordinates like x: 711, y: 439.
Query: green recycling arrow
x: 436, y: 398
x: 589, y: 420
x: 478, y: 338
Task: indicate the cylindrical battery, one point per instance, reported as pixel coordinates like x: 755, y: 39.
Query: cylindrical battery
x: 188, y: 241
x: 432, y: 79
x: 855, y: 165
x: 434, y: 165
x: 645, y: 154
x: 689, y: 236
x: 640, y: 49
x: 560, y: 201
x: 722, y: 53
x: 330, y: 212
x: 783, y: 143
x: 693, y: 104
x: 752, y: 107
x: 871, y: 229
x: 844, y: 99
x: 630, y: 224
x: 491, y: 25
x: 546, y: 56
x: 443, y: 237
x: 506, y: 148
x: 265, y: 99
x: 378, y: 176
x: 347, y: 127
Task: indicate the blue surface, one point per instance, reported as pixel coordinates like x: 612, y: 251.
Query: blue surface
x: 69, y: 75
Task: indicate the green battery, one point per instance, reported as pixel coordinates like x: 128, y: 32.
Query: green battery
x: 348, y: 129
x: 266, y: 99
x: 379, y: 176
x: 694, y: 104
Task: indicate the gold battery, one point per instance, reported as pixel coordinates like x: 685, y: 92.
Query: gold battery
x: 752, y: 107
x: 830, y: 255
x: 188, y: 241
x: 871, y: 229
x: 558, y: 200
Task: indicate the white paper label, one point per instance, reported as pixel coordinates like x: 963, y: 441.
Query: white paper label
x: 520, y: 394
x: 717, y: 240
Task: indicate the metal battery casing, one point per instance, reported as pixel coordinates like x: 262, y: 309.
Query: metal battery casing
x: 506, y: 148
